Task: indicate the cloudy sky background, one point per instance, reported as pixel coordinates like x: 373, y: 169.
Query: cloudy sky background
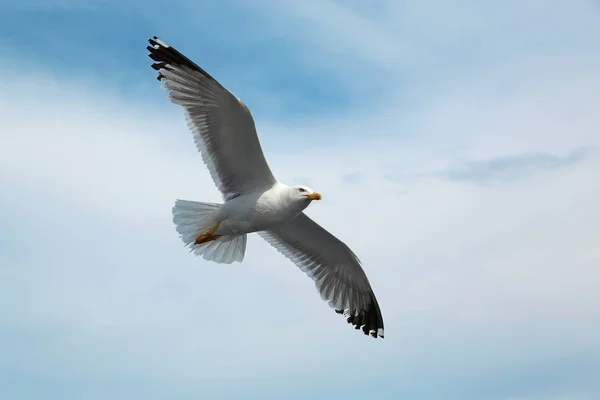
x: 455, y: 144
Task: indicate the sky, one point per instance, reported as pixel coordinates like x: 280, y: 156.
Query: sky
x: 456, y: 148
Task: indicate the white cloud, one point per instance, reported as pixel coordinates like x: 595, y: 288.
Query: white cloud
x: 399, y: 38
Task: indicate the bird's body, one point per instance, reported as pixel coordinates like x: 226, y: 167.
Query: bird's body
x: 254, y: 201
x: 254, y: 212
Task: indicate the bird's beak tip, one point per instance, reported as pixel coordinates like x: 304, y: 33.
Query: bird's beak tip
x: 314, y: 196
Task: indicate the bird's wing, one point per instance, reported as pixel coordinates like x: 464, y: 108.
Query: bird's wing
x: 222, y: 125
x: 336, y: 270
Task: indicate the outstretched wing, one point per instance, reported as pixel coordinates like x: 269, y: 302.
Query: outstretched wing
x: 336, y: 270
x: 222, y: 125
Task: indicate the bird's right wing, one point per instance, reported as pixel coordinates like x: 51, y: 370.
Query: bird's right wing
x: 336, y: 270
x: 222, y: 125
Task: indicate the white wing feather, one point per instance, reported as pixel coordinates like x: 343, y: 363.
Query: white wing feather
x: 336, y: 270
x: 222, y: 125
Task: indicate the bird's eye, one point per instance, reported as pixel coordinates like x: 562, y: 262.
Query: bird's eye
x: 301, y: 190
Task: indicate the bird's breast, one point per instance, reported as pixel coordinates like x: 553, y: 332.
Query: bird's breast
x: 246, y: 214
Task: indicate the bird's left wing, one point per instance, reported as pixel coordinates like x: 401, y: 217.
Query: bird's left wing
x: 336, y: 270
x: 222, y: 125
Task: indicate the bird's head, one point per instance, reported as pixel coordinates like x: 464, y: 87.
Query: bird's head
x: 304, y: 192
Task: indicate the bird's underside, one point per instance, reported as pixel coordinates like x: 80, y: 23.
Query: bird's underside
x: 224, y: 133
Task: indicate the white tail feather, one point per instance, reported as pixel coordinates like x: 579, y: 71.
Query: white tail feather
x: 192, y: 218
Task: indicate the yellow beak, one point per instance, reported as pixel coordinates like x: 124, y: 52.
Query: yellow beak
x: 314, y: 196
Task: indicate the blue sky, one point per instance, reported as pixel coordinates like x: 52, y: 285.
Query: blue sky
x: 461, y: 137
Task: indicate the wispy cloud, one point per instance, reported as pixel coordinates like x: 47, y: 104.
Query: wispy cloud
x: 517, y: 166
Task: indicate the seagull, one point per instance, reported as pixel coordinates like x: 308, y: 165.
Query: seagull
x: 253, y: 200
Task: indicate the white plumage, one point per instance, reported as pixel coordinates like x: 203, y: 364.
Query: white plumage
x: 254, y: 201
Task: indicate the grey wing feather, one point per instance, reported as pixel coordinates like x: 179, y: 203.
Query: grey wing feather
x: 336, y: 270
x: 222, y: 125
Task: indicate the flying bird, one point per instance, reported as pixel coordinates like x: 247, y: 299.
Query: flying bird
x: 253, y: 200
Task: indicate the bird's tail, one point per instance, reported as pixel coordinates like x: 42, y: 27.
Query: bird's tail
x: 193, y: 218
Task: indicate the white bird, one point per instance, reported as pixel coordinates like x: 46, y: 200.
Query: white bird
x: 254, y: 201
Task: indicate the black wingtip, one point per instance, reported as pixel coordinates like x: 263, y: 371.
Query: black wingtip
x: 159, y: 52
x: 369, y: 320
x: 166, y: 55
x: 154, y: 40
